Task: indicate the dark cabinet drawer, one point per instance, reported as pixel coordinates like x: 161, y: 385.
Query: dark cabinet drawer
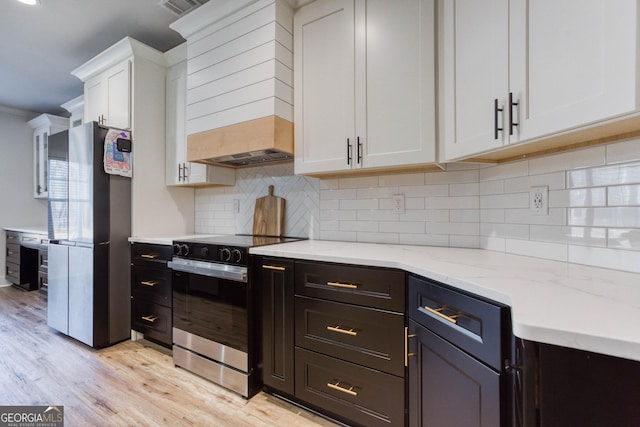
x: 356, y: 394
x: 13, y: 237
x: 474, y: 325
x: 13, y: 253
x: 43, y: 260
x: 148, y: 254
x: 367, y: 286
x: 152, y: 284
x: 370, y: 337
x: 13, y: 273
x: 153, y: 320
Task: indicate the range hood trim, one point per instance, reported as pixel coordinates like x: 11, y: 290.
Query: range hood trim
x: 265, y: 140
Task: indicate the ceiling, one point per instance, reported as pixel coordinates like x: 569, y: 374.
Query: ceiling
x: 40, y: 45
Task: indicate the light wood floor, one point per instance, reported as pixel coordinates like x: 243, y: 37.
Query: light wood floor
x: 128, y: 384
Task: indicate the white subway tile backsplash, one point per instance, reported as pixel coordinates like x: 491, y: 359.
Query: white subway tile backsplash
x: 623, y: 195
x: 465, y: 215
x: 507, y: 231
x: 624, y: 238
x: 582, y: 197
x: 553, y: 251
x: 424, y: 239
x: 359, y: 226
x: 556, y: 216
x: 492, y: 215
x: 462, y: 202
x: 472, y: 189
x: 607, y: 258
x: 591, y: 205
x: 589, y: 157
x: 452, y: 177
x: 504, y: 171
x: 408, y: 179
x: 608, y: 175
x: 407, y: 227
x: 491, y: 187
x: 425, y: 191
x: 586, y: 236
x: 622, y: 152
x: 511, y: 200
x: 628, y: 217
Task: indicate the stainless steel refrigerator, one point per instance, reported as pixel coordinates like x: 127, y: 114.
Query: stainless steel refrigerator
x: 89, y: 221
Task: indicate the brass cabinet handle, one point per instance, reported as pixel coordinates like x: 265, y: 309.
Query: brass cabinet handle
x: 149, y: 282
x: 407, y: 355
x: 342, y: 285
x: 348, y: 391
x: 149, y: 256
x: 10, y: 253
x: 273, y: 267
x: 150, y: 318
x: 453, y: 319
x: 338, y: 329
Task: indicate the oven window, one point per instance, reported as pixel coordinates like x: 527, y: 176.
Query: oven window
x: 211, y: 308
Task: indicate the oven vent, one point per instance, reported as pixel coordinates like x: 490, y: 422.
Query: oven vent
x: 181, y: 7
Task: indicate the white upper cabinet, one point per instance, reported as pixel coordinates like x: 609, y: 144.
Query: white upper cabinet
x: 75, y: 106
x: 178, y: 170
x: 364, y: 85
x: 107, y: 96
x: 516, y: 71
x: 43, y: 126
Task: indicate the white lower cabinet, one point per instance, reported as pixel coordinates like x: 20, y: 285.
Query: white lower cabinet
x: 364, y: 85
x: 514, y: 71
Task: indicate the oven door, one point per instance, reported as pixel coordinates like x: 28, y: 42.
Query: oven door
x: 210, y: 316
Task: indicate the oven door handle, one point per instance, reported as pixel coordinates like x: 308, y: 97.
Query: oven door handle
x: 210, y: 269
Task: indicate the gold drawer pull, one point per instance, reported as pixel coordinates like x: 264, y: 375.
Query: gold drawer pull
x: 150, y: 318
x: 337, y: 328
x: 273, y: 267
x: 10, y: 253
x: 342, y: 285
x: 149, y: 282
x: 149, y: 256
x: 453, y: 319
x: 407, y: 337
x: 348, y: 391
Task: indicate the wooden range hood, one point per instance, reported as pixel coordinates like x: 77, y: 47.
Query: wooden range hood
x: 268, y: 139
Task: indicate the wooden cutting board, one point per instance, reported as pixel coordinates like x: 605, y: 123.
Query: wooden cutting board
x: 268, y: 217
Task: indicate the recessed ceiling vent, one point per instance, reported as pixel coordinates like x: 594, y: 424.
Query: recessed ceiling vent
x: 181, y: 7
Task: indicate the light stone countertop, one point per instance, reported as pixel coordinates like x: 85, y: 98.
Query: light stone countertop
x: 552, y: 302
x: 36, y: 229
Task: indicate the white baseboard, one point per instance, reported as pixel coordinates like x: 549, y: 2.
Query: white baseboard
x: 3, y: 282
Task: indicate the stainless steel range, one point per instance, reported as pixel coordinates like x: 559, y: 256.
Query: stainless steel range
x: 213, y: 309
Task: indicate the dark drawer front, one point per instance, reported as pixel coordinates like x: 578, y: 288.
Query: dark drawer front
x: 43, y: 261
x: 368, y: 286
x: 13, y: 237
x: 466, y: 321
x: 153, y: 320
x: 13, y: 273
x: 147, y: 254
x: 370, y: 337
x: 13, y: 253
x: 351, y: 392
x: 152, y: 284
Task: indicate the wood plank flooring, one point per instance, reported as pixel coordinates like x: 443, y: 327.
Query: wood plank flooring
x: 133, y: 383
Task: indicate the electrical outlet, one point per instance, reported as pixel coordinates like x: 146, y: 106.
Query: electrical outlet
x: 539, y: 200
x: 398, y: 203
x: 236, y: 206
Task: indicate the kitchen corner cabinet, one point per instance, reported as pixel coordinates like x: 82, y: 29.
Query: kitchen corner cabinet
x: 513, y: 71
x: 151, y: 298
x: 180, y: 172
x: 43, y: 126
x: 364, y: 85
x: 275, y: 279
x: 108, y: 97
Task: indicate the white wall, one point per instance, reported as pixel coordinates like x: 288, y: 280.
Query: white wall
x: 594, y: 200
x: 18, y: 206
